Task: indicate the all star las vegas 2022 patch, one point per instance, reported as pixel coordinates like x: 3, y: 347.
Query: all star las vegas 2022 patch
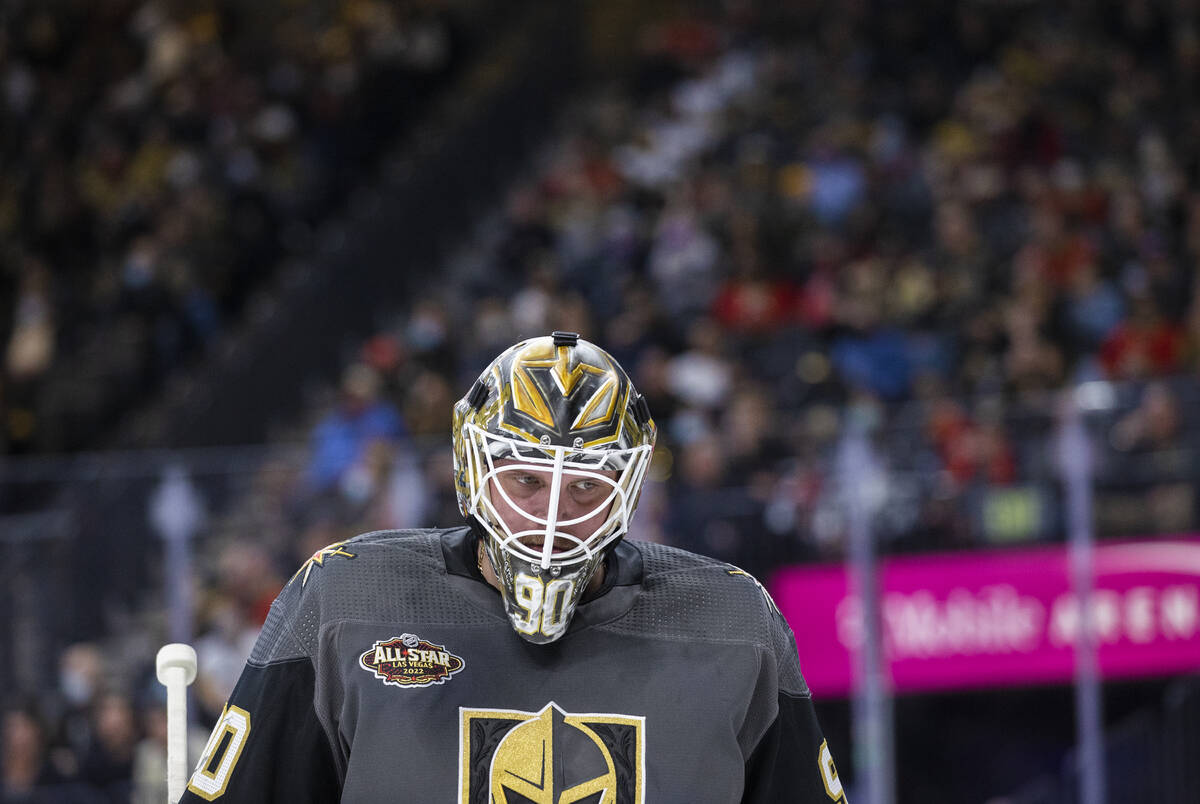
x: 409, y: 661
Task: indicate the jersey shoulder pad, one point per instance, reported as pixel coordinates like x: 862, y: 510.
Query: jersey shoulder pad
x: 687, y: 595
x: 741, y: 576
x: 729, y: 585
x: 781, y: 640
x: 339, y: 562
x: 326, y: 581
x: 659, y: 559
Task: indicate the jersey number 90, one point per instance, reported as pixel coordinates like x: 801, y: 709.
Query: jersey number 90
x: 221, y: 754
x: 542, y: 604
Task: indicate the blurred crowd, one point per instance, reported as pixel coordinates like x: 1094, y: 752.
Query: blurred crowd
x: 91, y: 745
x: 922, y: 219
x: 99, y: 734
x: 797, y: 219
x: 158, y: 158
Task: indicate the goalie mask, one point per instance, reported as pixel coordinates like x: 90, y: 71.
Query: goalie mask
x: 551, y: 446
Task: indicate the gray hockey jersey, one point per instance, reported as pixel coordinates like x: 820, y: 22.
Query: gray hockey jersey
x: 387, y: 672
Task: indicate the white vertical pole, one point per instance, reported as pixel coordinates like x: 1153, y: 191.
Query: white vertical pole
x: 176, y: 669
x: 1075, y: 456
x: 872, y: 707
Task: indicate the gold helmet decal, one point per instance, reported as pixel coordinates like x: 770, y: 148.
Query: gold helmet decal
x: 551, y: 757
x: 557, y: 392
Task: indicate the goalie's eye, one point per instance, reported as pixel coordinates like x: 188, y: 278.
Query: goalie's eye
x: 586, y: 490
x: 522, y: 484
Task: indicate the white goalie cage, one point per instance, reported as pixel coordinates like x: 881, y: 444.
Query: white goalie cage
x: 621, y: 470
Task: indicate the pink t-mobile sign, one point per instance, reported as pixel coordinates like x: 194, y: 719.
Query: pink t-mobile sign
x: 999, y: 618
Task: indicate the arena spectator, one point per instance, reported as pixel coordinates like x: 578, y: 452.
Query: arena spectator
x: 82, y: 678
x: 226, y: 637
x: 107, y: 765
x: 24, y: 761
x: 1147, y: 344
x: 342, y: 437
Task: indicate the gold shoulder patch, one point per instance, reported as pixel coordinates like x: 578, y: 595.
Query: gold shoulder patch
x: 318, y: 559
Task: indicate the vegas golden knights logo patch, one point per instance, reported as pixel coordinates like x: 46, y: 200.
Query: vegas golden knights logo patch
x: 550, y: 757
x: 409, y: 661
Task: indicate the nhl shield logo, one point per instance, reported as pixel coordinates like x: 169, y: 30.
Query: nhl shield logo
x: 409, y: 661
x: 550, y: 757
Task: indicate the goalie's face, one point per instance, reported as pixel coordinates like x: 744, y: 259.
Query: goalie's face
x: 523, y: 494
x: 556, y: 508
x: 548, y: 516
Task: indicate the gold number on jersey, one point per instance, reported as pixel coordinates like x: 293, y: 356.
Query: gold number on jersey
x: 221, y: 754
x: 543, y: 604
x: 829, y: 774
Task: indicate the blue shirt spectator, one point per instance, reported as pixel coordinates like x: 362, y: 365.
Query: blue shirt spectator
x: 875, y: 360
x: 360, y: 418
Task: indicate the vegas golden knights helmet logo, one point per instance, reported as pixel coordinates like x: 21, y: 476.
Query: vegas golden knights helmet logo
x: 550, y: 757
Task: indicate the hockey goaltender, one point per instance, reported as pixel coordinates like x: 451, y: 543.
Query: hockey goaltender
x: 531, y: 654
